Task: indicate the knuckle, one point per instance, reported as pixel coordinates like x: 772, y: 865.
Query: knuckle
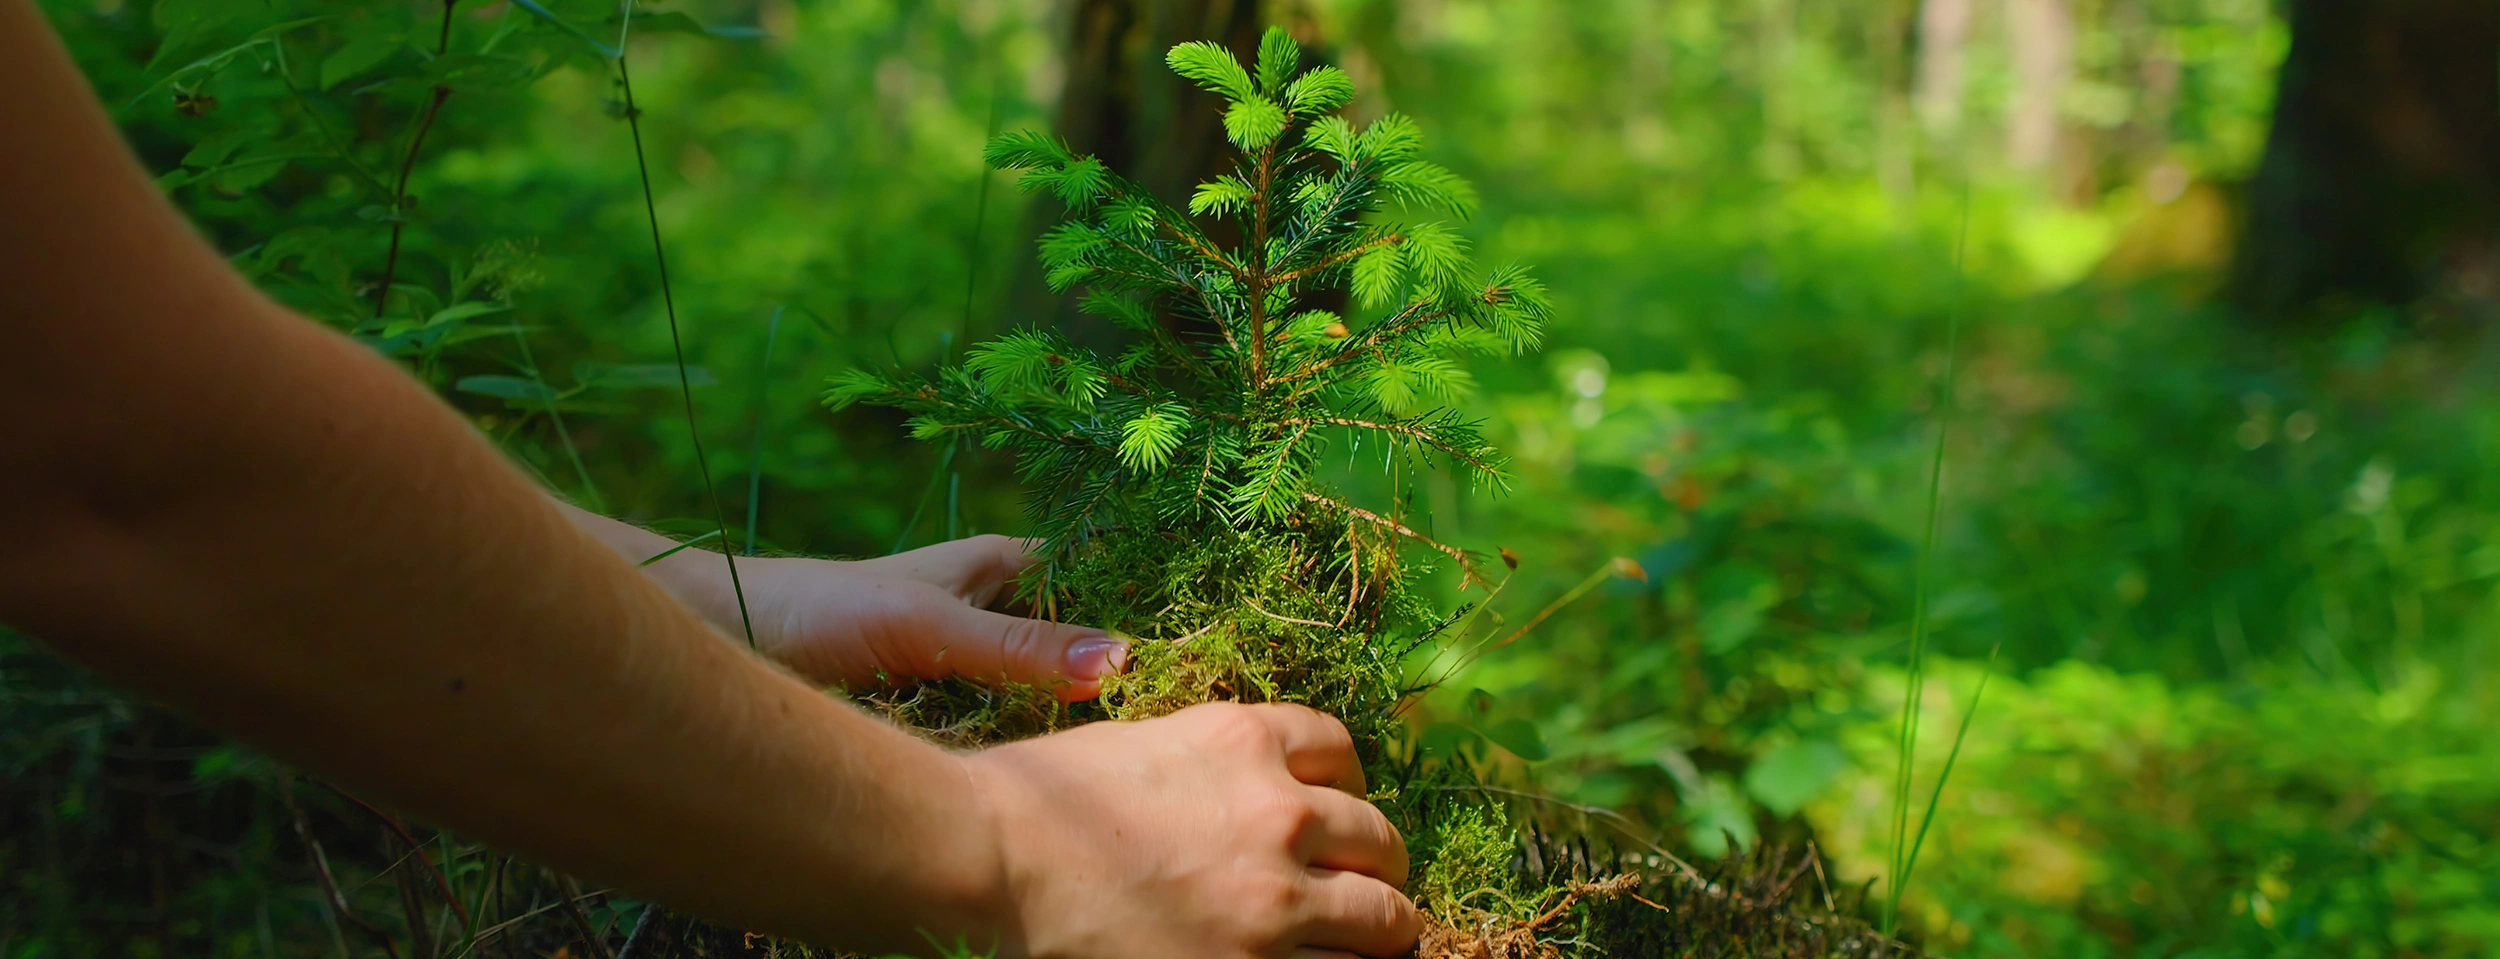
x: 1276, y: 897
x: 1022, y: 645
x: 1279, y: 814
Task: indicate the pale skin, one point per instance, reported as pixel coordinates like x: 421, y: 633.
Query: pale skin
x: 251, y: 518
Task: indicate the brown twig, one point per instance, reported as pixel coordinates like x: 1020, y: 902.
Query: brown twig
x: 581, y: 920
x: 1466, y: 566
x: 1402, y: 429
x: 321, y: 870
x: 407, y: 165
x: 442, y: 883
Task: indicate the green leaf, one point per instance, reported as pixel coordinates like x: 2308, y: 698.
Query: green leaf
x: 1520, y: 737
x: 1148, y: 439
x: 672, y: 21
x: 1213, y: 67
x: 480, y: 72
x: 462, y: 311
x: 507, y: 387
x: 1786, y: 779
x: 1254, y: 122
x: 357, y: 56
x: 1714, y: 812
x: 1278, y: 57
x: 214, y: 148
x: 637, y: 376
x: 1319, y: 91
x: 560, y: 23
x: 1222, y: 195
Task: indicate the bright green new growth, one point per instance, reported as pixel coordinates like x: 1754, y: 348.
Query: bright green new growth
x: 1174, y: 480
x: 1219, y: 411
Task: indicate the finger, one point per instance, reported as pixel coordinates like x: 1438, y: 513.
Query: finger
x: 976, y: 569
x: 1318, y: 750
x: 984, y: 646
x: 1357, y: 914
x: 1351, y: 835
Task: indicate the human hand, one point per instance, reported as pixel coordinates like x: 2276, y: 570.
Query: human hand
x: 1223, y: 831
x: 916, y: 616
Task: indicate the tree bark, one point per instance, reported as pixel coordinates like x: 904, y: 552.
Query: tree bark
x: 1123, y: 105
x: 2381, y: 181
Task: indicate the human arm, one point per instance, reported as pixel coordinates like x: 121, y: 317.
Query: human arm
x: 264, y: 524
x: 864, y: 624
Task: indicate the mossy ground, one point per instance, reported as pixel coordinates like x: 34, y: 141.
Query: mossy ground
x: 1318, y: 611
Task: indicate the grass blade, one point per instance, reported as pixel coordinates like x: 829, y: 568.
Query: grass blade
x: 1960, y: 734
x: 677, y: 339
x: 755, y: 441
x: 1915, y: 680
x: 679, y: 548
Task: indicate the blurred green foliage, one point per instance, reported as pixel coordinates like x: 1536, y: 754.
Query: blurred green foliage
x: 2243, y: 584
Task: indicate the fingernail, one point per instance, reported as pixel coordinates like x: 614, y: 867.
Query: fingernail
x: 1096, y: 657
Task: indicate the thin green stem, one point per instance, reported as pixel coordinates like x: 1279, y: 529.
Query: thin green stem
x: 1960, y: 734
x: 1915, y: 680
x: 677, y: 340
x: 572, y: 452
x: 755, y: 438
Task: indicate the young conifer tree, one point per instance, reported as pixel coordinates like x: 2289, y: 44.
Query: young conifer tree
x: 1219, y: 410
x: 1175, y: 481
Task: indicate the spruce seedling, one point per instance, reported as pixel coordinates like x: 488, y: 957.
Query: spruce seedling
x: 1174, y: 483
x: 1174, y: 478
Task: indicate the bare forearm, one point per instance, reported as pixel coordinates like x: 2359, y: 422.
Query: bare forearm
x: 265, y: 524
x: 698, y: 577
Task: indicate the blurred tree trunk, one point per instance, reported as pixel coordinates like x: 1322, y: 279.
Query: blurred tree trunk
x: 2042, y: 35
x: 1122, y: 104
x: 1943, y: 32
x: 2381, y: 181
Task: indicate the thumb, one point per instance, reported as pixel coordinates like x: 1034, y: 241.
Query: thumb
x: 984, y: 646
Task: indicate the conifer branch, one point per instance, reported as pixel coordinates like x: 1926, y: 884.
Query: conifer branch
x: 1339, y: 258
x: 1415, y: 430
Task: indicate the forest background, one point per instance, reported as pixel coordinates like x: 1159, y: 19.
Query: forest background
x: 2197, y: 293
